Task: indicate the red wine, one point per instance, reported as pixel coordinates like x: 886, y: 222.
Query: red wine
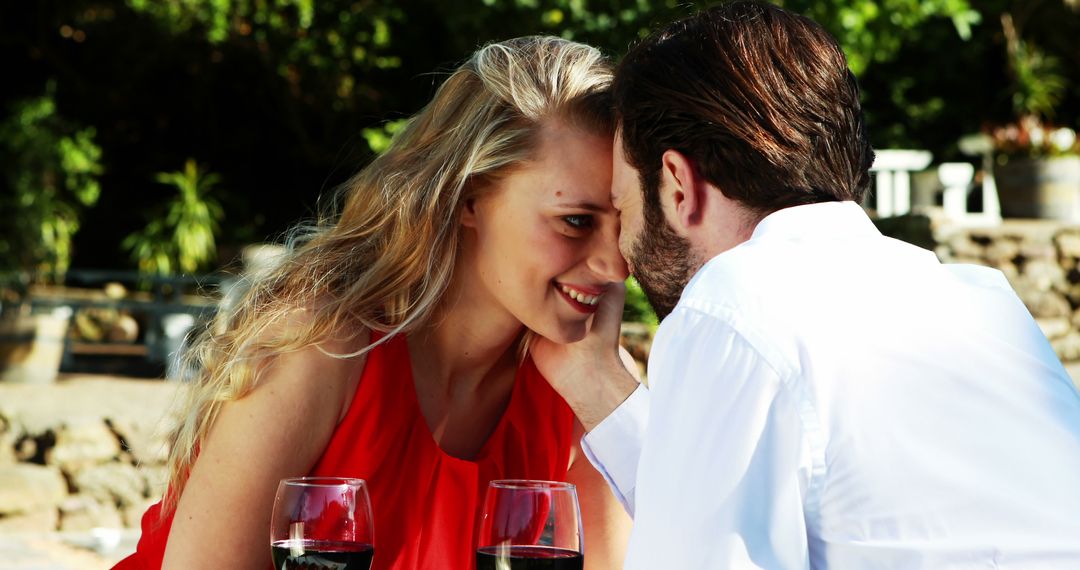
x: 528, y: 558
x: 321, y: 555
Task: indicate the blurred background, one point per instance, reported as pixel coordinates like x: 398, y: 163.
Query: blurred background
x: 153, y: 150
x: 164, y: 135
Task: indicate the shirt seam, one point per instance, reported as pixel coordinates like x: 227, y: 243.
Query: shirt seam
x: 809, y: 418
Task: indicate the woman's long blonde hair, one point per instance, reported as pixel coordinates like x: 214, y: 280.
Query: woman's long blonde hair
x: 384, y: 260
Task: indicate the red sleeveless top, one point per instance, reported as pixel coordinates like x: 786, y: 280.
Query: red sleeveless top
x: 426, y: 503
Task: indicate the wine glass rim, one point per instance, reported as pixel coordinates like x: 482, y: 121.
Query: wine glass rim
x: 532, y: 484
x: 324, y: 482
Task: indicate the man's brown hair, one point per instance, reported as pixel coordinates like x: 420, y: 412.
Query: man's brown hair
x: 759, y: 98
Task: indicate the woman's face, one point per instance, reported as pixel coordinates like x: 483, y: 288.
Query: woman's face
x: 543, y: 243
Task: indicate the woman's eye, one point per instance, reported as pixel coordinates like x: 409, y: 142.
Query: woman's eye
x: 579, y: 222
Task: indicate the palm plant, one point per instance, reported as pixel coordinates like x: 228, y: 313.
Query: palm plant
x: 182, y: 240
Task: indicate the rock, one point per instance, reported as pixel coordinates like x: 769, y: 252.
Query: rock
x: 1009, y: 271
x: 37, y: 409
x: 26, y: 449
x: 115, y: 483
x: 30, y: 488
x: 1001, y: 251
x: 1042, y: 275
x: 115, y: 290
x: 7, y: 449
x: 1072, y: 293
x: 147, y: 444
x: 133, y: 514
x: 968, y: 260
x: 1038, y: 250
x: 1045, y: 304
x: 1054, y: 328
x: 38, y: 522
x: 81, y: 512
x: 83, y: 445
x: 1068, y: 243
x: 963, y: 246
x: 155, y: 477
x: 1068, y: 265
x: 124, y: 329
x: 7, y: 443
x: 1067, y: 347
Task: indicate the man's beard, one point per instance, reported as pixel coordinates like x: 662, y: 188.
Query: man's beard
x: 662, y: 262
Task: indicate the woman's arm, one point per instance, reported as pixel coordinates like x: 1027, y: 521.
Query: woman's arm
x: 278, y: 430
x: 607, y: 525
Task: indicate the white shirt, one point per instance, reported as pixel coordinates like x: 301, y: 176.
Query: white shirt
x: 826, y: 397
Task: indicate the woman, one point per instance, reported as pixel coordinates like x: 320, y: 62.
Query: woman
x: 391, y: 343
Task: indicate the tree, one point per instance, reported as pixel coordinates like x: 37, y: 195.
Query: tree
x: 288, y: 98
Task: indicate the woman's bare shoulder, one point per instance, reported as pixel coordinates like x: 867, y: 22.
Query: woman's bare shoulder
x: 279, y: 429
x: 334, y: 364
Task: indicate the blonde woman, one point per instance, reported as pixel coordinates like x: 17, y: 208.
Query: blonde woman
x: 391, y: 343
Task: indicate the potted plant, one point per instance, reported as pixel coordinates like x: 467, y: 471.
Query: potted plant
x: 178, y: 239
x: 1037, y: 168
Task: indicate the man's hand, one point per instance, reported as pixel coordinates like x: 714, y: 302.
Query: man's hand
x: 590, y: 374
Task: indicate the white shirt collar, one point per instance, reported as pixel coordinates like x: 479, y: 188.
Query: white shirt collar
x: 825, y: 219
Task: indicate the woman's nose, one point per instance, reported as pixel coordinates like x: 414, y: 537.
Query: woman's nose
x: 605, y: 259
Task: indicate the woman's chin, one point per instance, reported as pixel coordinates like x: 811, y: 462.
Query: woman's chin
x: 564, y: 333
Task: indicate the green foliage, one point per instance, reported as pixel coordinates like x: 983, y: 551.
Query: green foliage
x: 51, y: 169
x: 876, y: 30
x: 282, y: 95
x: 868, y: 30
x: 314, y: 46
x: 637, y: 308
x: 181, y: 240
x: 1038, y: 82
x: 378, y: 138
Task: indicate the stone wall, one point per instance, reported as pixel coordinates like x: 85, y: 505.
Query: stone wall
x: 83, y: 453
x: 1039, y: 258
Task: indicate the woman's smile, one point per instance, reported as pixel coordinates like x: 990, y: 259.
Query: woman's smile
x: 581, y: 299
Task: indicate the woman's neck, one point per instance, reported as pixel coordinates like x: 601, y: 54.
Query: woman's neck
x: 467, y: 339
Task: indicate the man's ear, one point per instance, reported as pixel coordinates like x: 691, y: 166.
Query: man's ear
x: 682, y: 191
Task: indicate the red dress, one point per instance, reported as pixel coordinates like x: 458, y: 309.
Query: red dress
x: 426, y: 504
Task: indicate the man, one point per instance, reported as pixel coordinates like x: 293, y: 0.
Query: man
x: 820, y: 396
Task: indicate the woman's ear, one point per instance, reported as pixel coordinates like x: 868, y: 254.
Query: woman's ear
x: 682, y: 193
x: 468, y: 213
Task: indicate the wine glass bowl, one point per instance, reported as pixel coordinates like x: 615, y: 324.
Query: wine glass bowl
x: 322, y: 522
x: 530, y: 525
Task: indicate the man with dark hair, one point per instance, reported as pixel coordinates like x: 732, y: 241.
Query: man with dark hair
x: 820, y: 395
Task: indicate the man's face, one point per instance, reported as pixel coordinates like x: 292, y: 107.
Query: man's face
x: 660, y: 259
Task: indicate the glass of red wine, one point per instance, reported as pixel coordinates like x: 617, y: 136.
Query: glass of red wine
x: 322, y: 522
x: 530, y: 525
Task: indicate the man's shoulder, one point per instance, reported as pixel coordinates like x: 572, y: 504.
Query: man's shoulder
x: 744, y: 275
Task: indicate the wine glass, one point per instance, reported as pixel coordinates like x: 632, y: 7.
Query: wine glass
x: 530, y: 525
x: 322, y: 522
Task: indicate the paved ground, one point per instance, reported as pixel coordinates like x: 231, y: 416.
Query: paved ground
x: 66, y: 551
